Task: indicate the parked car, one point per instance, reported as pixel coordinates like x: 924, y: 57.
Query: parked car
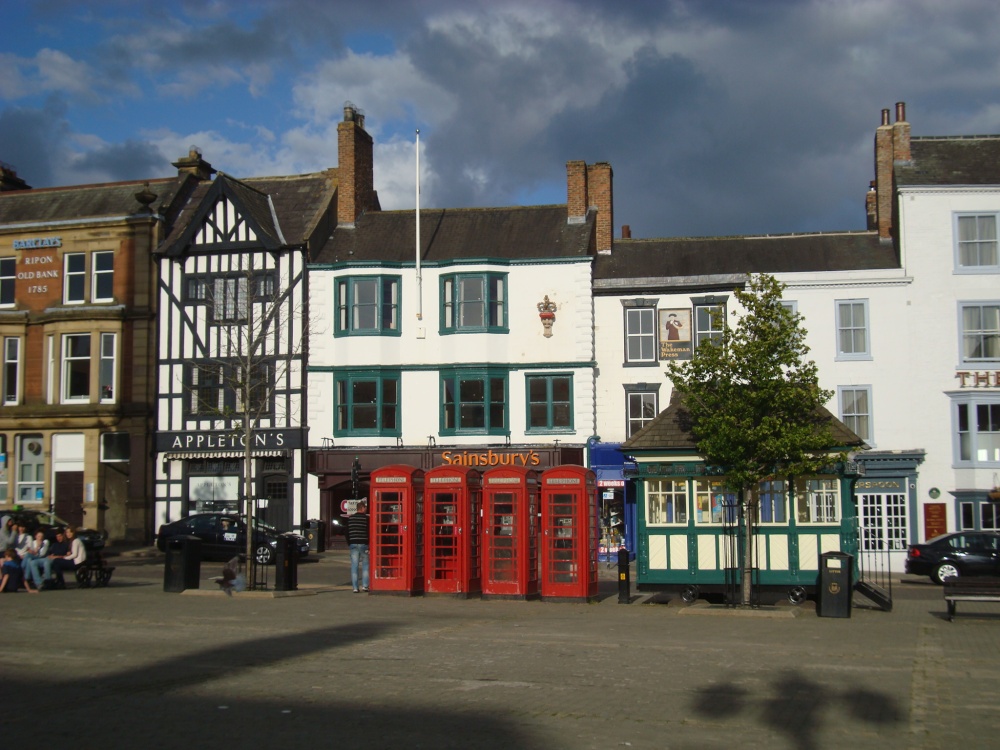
x: 223, y: 536
x: 964, y: 553
x: 34, y: 520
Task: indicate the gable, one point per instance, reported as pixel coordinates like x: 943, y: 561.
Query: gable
x: 227, y: 216
x: 224, y: 224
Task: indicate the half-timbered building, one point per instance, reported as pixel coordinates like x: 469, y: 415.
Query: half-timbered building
x: 232, y: 345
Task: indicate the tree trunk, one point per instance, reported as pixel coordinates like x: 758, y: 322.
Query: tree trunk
x: 749, y: 503
x: 248, y: 494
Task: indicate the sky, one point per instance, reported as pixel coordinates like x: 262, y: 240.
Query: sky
x: 718, y: 117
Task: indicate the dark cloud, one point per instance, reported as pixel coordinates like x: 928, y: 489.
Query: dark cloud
x: 31, y: 141
x: 729, y: 117
x: 131, y: 160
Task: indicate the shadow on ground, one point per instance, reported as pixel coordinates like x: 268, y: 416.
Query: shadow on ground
x: 797, y: 707
x: 187, y: 702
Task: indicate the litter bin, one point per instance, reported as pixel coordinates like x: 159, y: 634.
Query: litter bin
x: 315, y: 532
x: 836, y: 586
x: 286, y: 564
x: 182, y: 568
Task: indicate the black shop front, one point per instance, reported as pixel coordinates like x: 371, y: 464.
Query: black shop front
x: 343, y: 473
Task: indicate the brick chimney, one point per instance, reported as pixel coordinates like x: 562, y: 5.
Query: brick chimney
x: 884, y: 154
x: 355, y: 168
x: 9, y: 179
x: 576, y: 192
x: 892, y: 146
x: 600, y: 196
x: 591, y: 187
x: 901, y: 134
x: 193, y: 164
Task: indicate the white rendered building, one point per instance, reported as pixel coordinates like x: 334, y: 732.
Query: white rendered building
x: 903, y: 321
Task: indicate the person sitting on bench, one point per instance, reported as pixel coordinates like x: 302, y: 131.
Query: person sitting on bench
x: 73, y: 559
x: 40, y: 569
x: 56, y: 564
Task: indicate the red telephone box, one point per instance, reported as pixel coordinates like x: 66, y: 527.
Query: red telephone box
x: 397, y: 538
x: 510, y: 533
x: 569, y: 533
x: 453, y: 502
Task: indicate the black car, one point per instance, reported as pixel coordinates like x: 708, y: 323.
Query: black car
x: 964, y: 553
x: 34, y: 520
x: 224, y: 536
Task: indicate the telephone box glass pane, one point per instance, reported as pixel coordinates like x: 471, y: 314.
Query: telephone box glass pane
x: 503, y: 553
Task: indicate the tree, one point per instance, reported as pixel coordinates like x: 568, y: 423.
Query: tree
x: 756, y: 409
x: 256, y: 354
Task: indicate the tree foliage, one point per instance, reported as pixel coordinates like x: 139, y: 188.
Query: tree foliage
x: 753, y: 397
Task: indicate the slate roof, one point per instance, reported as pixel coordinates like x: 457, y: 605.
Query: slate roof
x: 713, y: 256
x: 80, y: 202
x: 299, y: 201
x: 962, y: 160
x: 515, y: 233
x: 670, y: 431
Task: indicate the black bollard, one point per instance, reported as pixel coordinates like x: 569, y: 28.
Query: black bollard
x: 624, y: 595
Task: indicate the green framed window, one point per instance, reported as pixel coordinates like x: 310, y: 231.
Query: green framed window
x: 549, y: 403
x: 366, y: 403
x: 474, y: 302
x: 367, y: 306
x: 474, y: 402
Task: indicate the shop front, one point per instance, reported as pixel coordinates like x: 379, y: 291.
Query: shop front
x: 615, y: 500
x: 343, y: 473
x: 203, y: 472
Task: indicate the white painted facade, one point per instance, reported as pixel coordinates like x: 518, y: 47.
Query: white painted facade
x: 912, y: 370
x: 420, y: 352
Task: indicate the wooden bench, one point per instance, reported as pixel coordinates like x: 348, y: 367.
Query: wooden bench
x: 94, y: 572
x: 986, y: 589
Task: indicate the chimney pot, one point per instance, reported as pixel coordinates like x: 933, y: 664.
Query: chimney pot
x: 900, y: 111
x: 626, y: 232
x: 9, y: 179
x: 885, y: 117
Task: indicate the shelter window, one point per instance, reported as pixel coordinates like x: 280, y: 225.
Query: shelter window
x: 772, y: 501
x: 714, y: 502
x: 666, y: 501
x: 816, y: 501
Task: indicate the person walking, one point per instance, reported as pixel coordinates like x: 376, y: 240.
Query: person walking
x: 358, y: 526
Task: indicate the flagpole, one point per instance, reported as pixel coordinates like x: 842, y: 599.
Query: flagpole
x: 420, y: 281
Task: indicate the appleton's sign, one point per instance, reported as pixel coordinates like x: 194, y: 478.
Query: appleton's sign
x: 261, y: 440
